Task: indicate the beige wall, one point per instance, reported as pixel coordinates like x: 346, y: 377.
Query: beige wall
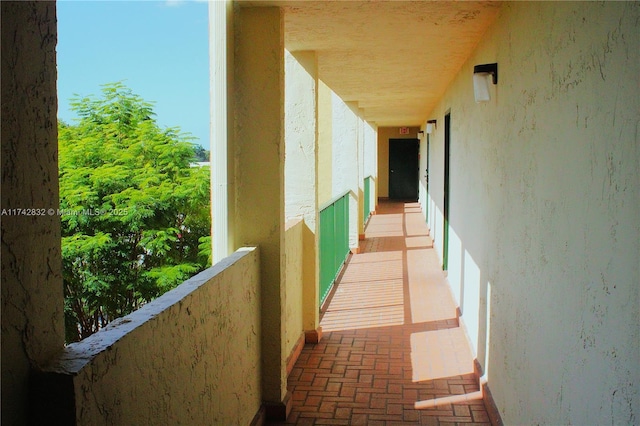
x: 325, y: 143
x: 370, y: 156
x: 345, y: 160
x: 384, y: 134
x: 192, y: 356
x: 301, y: 177
x: 545, y: 201
x: 32, y: 298
x: 259, y: 158
x: 294, y: 274
x: 347, y: 154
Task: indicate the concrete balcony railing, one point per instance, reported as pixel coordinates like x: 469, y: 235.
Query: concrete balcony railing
x: 192, y: 356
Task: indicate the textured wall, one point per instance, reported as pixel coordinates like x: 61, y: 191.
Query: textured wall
x: 345, y: 160
x: 294, y: 254
x: 345, y: 147
x: 325, y: 143
x: 192, y: 356
x: 545, y: 201
x: 360, y: 167
x: 300, y: 136
x: 370, y: 156
x: 259, y: 171
x: 301, y: 172
x: 300, y: 183
x: 32, y: 310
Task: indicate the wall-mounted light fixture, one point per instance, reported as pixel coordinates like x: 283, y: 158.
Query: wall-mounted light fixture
x: 481, y: 75
x: 431, y: 125
x: 420, y: 134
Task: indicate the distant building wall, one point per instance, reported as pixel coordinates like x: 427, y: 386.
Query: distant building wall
x: 545, y: 200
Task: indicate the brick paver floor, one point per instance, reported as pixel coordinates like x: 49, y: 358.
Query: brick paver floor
x: 392, y: 352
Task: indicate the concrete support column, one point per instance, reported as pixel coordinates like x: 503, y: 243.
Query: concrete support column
x: 221, y: 61
x: 325, y: 143
x: 345, y: 161
x: 301, y: 174
x: 259, y: 176
x: 32, y: 297
x: 361, y: 175
x: 371, y: 161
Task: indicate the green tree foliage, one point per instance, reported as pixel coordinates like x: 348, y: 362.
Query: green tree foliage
x: 135, y: 216
x: 201, y: 154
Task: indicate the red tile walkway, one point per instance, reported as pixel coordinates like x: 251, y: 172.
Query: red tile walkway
x: 392, y: 352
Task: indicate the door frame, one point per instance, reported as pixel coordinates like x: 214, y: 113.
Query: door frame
x: 417, y: 165
x: 426, y: 201
x: 447, y: 194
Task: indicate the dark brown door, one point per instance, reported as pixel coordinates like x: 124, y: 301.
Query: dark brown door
x: 403, y: 169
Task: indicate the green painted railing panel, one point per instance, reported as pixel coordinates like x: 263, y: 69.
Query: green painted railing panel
x: 326, y: 250
x: 334, y: 242
x: 367, y: 198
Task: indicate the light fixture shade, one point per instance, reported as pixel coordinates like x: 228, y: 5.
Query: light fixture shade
x: 429, y: 128
x: 481, y: 75
x: 481, y: 87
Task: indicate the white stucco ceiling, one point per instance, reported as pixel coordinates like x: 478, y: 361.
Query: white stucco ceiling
x: 394, y: 59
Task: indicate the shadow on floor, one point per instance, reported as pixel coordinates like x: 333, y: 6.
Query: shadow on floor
x: 393, y: 351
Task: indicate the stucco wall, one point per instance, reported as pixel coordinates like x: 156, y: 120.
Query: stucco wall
x: 259, y: 171
x: 384, y: 134
x: 300, y: 135
x: 301, y: 186
x: 325, y: 143
x: 370, y: 156
x: 345, y: 160
x: 545, y: 201
x: 345, y: 147
x: 32, y: 299
x: 360, y: 167
x: 347, y: 153
x: 192, y: 356
x: 294, y: 254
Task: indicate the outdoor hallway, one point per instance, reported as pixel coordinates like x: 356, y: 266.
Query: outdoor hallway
x: 392, y: 350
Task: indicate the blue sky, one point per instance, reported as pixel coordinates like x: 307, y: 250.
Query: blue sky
x: 159, y: 49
